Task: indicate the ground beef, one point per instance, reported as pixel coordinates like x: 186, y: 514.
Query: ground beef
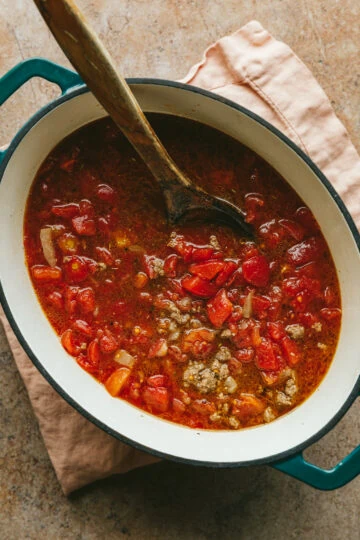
x: 203, y: 378
x: 295, y: 331
x: 223, y: 354
x: 282, y: 400
x: 291, y: 387
x: 269, y: 415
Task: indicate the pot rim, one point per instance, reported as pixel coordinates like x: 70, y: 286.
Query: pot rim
x: 79, y: 90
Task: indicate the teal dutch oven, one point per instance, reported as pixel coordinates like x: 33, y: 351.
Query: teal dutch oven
x: 279, y: 443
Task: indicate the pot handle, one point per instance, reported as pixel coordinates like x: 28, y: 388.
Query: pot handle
x: 36, y: 67
x: 325, y: 479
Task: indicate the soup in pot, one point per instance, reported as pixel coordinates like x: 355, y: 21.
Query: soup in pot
x: 195, y: 323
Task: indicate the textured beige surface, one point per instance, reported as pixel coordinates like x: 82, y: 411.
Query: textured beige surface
x: 167, y: 500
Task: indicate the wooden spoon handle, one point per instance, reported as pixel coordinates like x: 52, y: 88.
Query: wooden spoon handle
x: 92, y: 61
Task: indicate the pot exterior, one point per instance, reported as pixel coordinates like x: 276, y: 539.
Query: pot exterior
x: 261, y: 444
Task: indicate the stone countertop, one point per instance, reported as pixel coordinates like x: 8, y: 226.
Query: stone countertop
x: 162, y: 38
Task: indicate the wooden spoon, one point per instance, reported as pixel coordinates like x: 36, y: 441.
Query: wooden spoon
x: 183, y: 199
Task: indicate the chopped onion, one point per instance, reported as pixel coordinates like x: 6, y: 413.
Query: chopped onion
x: 124, y: 358
x: 162, y: 349
x: 247, y: 309
x: 47, y: 244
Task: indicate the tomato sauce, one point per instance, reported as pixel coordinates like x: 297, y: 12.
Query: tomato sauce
x: 194, y: 324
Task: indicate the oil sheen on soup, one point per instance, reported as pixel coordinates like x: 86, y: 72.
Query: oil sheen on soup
x: 195, y: 324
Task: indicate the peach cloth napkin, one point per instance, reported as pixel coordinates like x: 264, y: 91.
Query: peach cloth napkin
x: 264, y: 75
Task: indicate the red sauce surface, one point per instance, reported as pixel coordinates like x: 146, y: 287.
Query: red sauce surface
x: 194, y: 324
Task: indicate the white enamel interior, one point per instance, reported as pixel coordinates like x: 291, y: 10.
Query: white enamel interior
x: 225, y: 447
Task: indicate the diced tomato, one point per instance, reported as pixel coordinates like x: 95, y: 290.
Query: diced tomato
x: 69, y: 343
x: 248, y: 250
x: 235, y: 366
x: 201, y: 254
x: 202, y: 349
x: 245, y: 355
x: 108, y: 343
x: 291, y: 351
x: 156, y: 398
x: 256, y: 271
x: 276, y: 330
x: 294, y: 285
x: 86, y: 300
x: 92, y: 264
x: 70, y: 295
x: 46, y: 274
x: 255, y: 335
x: 76, y: 269
x: 265, y: 358
x: 330, y: 314
x: 225, y: 273
x: 310, y: 249
x: 134, y: 391
x: 234, y: 296
x: 82, y: 327
x: 270, y: 377
x: 104, y: 226
x: 219, y: 308
x: 253, y: 201
x: 56, y: 299
x: 247, y: 405
x: 87, y: 208
x: 184, y: 249
x: 307, y: 319
x: 84, y: 226
x: 106, y: 193
x: 199, y: 287
x: 236, y: 279
x: 207, y: 270
x: 170, y: 265
x: 93, y: 352
x: 203, y: 406
x: 159, y: 348
x: 117, y: 380
x: 177, y: 355
x: 242, y: 333
x: 310, y: 270
x: 66, y: 211
x: 304, y: 216
x: 85, y: 364
x: 197, y: 335
x: 175, y: 284
x: 68, y: 243
x: 156, y: 380
x: 178, y: 406
x: 105, y: 255
x: 294, y: 229
x: 272, y: 233
x: 150, y: 266
x: 260, y: 305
